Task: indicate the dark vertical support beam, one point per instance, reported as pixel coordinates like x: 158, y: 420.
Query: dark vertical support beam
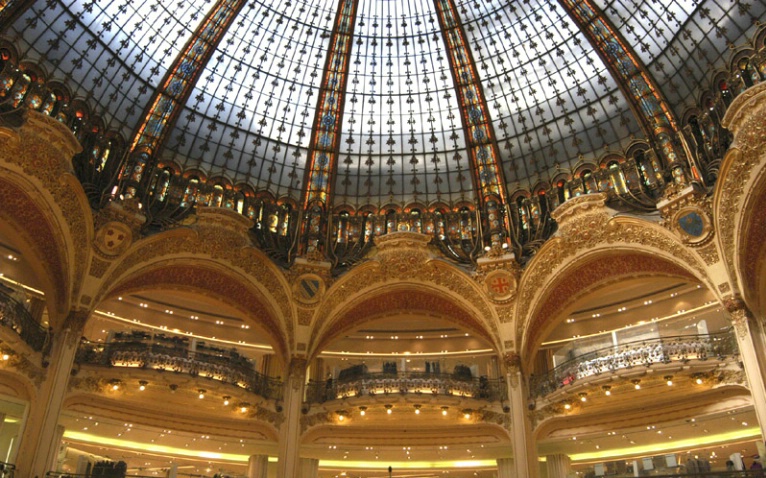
x: 323, y: 150
x: 638, y: 86
x: 480, y: 136
x: 11, y: 10
x: 175, y: 89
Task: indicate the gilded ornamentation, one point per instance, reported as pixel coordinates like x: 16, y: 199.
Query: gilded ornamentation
x: 495, y: 418
x: 98, y: 267
x: 724, y: 287
x: 266, y: 415
x: 305, y: 315
x: 23, y: 365
x: 315, y: 419
x: 90, y: 384
x: 500, y: 285
x: 739, y: 316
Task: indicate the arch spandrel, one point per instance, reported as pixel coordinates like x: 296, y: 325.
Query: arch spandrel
x: 751, y: 246
x: 587, y: 232
x: 404, y: 259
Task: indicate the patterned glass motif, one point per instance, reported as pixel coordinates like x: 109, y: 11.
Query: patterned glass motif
x: 552, y: 100
x: 114, y: 53
x: 186, y: 69
x: 250, y: 115
x: 682, y: 42
x: 401, y: 136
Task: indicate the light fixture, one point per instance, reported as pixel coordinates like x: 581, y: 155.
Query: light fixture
x: 362, y: 411
x: 669, y: 380
x: 444, y: 411
x: 142, y: 385
x: 201, y: 393
x: 636, y: 383
x: 115, y: 384
x: 6, y: 356
x: 417, y: 409
x: 388, y: 409
x: 173, y: 387
x: 698, y: 378
x: 243, y: 407
x: 467, y: 413
x: 607, y: 390
x: 341, y: 415
x: 226, y: 400
x: 583, y: 397
x: 567, y: 405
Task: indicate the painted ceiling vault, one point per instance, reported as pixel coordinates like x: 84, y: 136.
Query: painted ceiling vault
x: 253, y: 99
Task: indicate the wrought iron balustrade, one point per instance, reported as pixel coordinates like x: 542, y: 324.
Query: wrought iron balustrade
x: 161, y: 357
x: 15, y: 316
x: 642, y: 353
x: 407, y: 383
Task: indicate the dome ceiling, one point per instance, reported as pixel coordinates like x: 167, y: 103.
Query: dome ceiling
x: 550, y: 98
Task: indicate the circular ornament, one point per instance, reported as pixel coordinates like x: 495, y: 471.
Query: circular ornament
x: 500, y: 285
x: 308, y: 288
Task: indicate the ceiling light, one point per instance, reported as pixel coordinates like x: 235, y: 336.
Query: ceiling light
x: 444, y: 411
x: 243, y: 407
x: 341, y: 415
x: 201, y: 393
x: 583, y: 397
x: 417, y: 409
x: 226, y: 400
x: 142, y: 385
x: 669, y: 380
x: 467, y: 413
x: 607, y: 390
x: 636, y: 383
x: 362, y: 411
x: 388, y: 409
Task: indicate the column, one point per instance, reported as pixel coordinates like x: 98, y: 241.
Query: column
x: 82, y: 465
x: 505, y: 468
x: 751, y: 350
x: 309, y: 468
x: 258, y: 466
x: 558, y: 465
x: 524, y: 451
x: 173, y: 470
x: 40, y: 439
x: 290, y: 430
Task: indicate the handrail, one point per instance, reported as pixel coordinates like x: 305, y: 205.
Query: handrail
x: 681, y: 348
x: 405, y: 383
x: 179, y: 360
x: 14, y: 315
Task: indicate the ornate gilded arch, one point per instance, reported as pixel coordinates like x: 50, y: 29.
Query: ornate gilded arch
x: 46, y: 204
x: 590, y: 237
x: 405, y: 260
x: 221, y: 255
x: 740, y: 196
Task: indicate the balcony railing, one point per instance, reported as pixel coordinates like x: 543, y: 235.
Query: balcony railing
x: 642, y: 353
x: 180, y: 360
x: 15, y: 316
x: 407, y: 383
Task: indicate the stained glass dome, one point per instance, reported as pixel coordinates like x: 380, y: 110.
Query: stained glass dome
x: 549, y: 95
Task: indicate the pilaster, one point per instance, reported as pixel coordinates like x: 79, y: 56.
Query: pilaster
x: 522, y: 443
x: 40, y: 439
x: 258, y: 466
x: 752, y: 350
x: 290, y: 430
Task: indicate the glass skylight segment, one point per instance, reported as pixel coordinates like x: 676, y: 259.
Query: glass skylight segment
x: 401, y: 134
x: 251, y: 112
x: 130, y: 44
x: 547, y: 90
